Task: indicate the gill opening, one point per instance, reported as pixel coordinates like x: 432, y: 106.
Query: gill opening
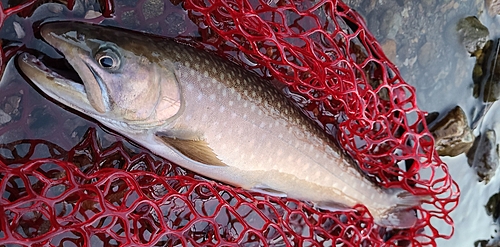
x: 104, y: 89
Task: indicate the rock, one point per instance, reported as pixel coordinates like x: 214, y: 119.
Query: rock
x: 11, y: 106
x: 4, y: 117
x: 483, y: 156
x: 390, y: 23
x: 493, y: 7
x: 493, y: 207
x: 472, y: 33
x: 425, y: 54
x: 152, y: 9
x: 92, y: 14
x: 389, y: 48
x: 492, y: 86
x: 452, y: 134
x: 41, y: 121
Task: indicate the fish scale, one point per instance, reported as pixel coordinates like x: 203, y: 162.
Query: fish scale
x: 210, y: 116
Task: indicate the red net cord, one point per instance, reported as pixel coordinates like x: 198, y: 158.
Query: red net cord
x: 96, y: 194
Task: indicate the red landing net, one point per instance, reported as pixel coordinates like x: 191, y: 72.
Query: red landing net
x: 322, y: 50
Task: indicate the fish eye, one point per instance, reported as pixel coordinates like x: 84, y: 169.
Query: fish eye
x: 108, y: 59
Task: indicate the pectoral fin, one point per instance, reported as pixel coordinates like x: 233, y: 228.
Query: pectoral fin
x: 195, y: 149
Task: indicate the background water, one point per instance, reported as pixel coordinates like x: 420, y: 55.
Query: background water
x: 420, y: 38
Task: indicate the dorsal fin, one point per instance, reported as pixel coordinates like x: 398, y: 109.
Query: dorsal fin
x: 197, y: 149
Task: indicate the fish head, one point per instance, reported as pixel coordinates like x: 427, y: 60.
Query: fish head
x: 124, y: 80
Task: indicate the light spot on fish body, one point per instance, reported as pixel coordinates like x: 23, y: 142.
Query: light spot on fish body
x: 231, y: 103
x: 212, y: 97
x: 187, y: 64
x: 192, y: 72
x: 205, y: 74
x: 215, y: 82
x: 221, y: 109
x: 200, y: 96
x: 238, y: 97
x: 224, y: 91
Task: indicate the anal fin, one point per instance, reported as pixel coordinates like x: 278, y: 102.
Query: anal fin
x: 196, y: 149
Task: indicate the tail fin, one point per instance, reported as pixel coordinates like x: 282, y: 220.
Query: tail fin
x: 401, y: 215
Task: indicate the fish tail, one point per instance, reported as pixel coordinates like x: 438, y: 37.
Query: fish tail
x: 401, y: 215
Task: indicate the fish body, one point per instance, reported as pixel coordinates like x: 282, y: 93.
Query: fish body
x: 207, y: 115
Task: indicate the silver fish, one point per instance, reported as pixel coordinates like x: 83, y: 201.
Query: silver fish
x: 209, y: 116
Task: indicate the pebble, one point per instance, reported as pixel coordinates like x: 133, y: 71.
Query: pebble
x: 452, y: 134
x: 483, y: 156
x: 4, y: 117
x: 389, y: 48
x: 472, y: 34
x: 19, y: 30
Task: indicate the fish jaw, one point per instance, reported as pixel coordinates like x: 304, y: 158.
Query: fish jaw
x: 55, y: 86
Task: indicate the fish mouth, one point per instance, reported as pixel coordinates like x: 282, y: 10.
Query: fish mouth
x: 57, y: 70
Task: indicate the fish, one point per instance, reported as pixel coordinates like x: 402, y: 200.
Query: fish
x: 207, y: 115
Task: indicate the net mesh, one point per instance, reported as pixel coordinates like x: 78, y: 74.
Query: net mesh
x: 112, y: 193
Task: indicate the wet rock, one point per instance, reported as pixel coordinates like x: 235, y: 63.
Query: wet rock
x: 452, y: 134
x: 493, y: 207
x: 426, y: 54
x: 487, y: 243
x: 481, y: 66
x: 152, y: 9
x: 75, y: 129
x: 11, y: 106
x: 493, y: 7
x: 174, y: 24
x: 4, y: 117
x: 472, y: 34
x: 389, y: 48
x: 41, y: 122
x: 390, y: 23
x: 492, y: 85
x: 92, y: 14
x: 19, y: 30
x: 483, y: 156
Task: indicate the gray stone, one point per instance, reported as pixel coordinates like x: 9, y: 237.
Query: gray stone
x: 472, y: 33
x: 483, y: 156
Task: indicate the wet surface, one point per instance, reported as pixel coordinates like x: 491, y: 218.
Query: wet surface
x: 428, y: 43
x: 419, y: 36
